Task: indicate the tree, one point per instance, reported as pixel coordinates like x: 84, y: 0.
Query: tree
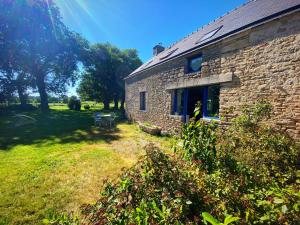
x: 12, y: 77
x: 105, y: 70
x: 98, y: 79
x: 131, y: 62
x: 50, y: 51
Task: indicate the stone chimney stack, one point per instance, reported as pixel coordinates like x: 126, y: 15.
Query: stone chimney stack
x: 158, y: 49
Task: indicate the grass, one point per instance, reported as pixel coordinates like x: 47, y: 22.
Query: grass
x: 60, y: 162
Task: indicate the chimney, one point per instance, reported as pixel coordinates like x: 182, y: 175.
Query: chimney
x: 158, y: 49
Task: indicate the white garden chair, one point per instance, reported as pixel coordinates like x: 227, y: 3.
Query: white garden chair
x: 98, y: 119
x: 112, y: 120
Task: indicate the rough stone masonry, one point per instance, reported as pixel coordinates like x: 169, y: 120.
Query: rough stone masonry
x: 261, y: 62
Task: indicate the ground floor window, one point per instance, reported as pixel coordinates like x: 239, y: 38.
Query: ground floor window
x: 178, y: 102
x: 184, y: 101
x: 211, y: 102
x: 143, y: 100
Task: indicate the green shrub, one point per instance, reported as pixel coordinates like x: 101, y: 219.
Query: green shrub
x: 86, y: 107
x: 74, y: 103
x: 209, y: 218
x: 61, y: 219
x: 199, y: 143
x: 247, y: 174
x: 266, y: 150
x: 155, y: 191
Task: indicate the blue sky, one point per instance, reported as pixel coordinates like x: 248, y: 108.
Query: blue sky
x: 140, y: 24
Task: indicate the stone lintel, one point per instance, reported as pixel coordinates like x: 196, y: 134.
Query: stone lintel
x: 205, y: 81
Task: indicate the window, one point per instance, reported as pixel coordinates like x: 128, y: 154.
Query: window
x: 143, y: 100
x: 184, y: 101
x: 211, y: 102
x: 178, y: 102
x: 194, y: 64
x: 208, y: 35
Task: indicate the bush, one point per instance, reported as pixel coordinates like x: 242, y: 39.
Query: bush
x: 74, y: 103
x: 268, y: 151
x: 155, y: 191
x: 61, y: 219
x: 199, y: 142
x: 86, y: 107
x: 248, y: 173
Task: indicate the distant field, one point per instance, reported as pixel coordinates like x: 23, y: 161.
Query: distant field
x: 60, y: 162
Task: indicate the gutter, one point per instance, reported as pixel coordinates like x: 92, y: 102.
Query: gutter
x: 229, y: 34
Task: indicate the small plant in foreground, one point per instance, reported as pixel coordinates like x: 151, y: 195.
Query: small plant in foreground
x: 61, y: 219
x: 155, y: 191
x: 213, y: 221
x: 199, y: 142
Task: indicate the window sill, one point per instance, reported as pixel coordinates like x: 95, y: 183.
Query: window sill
x: 209, y: 119
x: 143, y: 110
x: 176, y: 116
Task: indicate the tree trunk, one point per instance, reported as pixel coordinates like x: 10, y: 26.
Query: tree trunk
x: 122, y: 103
x: 43, y: 94
x: 20, y: 86
x: 116, y: 102
x: 106, y: 104
x: 22, y: 96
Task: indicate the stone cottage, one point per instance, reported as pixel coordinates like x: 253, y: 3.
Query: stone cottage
x: 252, y: 52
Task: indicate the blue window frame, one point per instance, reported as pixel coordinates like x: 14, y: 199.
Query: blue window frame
x: 195, y: 64
x: 143, y: 100
x: 178, y: 102
x: 211, y: 102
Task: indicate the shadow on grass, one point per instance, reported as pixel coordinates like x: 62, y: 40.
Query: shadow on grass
x: 56, y: 126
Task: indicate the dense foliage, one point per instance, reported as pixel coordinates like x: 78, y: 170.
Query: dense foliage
x: 40, y: 54
x: 247, y: 174
x: 39, y: 51
x: 106, y: 66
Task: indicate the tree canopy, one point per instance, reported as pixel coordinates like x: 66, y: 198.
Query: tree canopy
x: 38, y: 52
x: 105, y: 69
x: 38, y: 44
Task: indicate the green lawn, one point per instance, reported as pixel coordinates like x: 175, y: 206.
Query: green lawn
x: 60, y: 162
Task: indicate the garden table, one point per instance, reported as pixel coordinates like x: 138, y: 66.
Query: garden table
x: 104, y: 119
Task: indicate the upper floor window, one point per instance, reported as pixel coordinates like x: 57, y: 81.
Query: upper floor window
x: 194, y: 64
x: 143, y: 100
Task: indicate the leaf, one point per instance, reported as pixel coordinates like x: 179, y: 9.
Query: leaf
x: 230, y: 219
x: 247, y: 216
x: 284, y: 209
x: 209, y: 218
x: 157, y: 209
x: 138, y: 210
x: 278, y: 200
x: 265, y: 217
x: 46, y: 221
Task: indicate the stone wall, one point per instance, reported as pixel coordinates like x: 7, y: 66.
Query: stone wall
x: 263, y: 61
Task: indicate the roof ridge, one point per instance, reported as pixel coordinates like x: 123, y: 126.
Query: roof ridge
x: 256, y: 12
x: 205, y: 25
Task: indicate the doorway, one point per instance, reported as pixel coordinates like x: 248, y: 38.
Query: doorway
x: 195, y: 97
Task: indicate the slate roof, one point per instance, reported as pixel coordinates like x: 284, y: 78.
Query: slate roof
x: 247, y: 15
